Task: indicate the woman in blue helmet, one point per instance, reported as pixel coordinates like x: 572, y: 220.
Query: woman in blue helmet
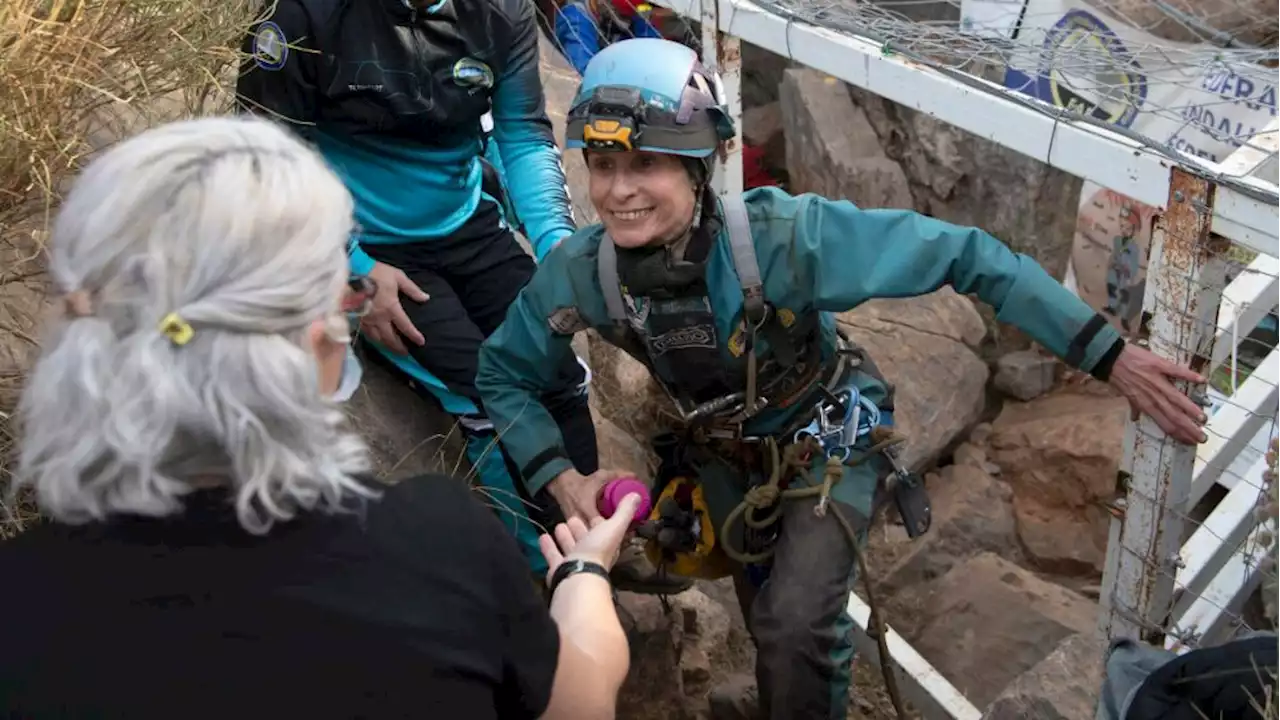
x: 729, y: 302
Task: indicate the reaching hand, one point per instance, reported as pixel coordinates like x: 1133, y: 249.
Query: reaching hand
x: 387, y: 316
x: 576, y: 493
x: 599, y: 544
x: 1146, y: 379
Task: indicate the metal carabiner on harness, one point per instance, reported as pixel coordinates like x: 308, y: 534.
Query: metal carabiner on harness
x: 858, y: 416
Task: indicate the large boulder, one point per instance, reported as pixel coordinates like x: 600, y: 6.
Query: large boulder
x: 972, y: 514
x: 831, y: 148
x: 407, y: 434
x: 968, y: 180
x: 625, y: 392
x: 1063, y: 686
x: 924, y: 346
x: 1060, y: 454
x: 679, y: 657
x: 1250, y: 21
x: 987, y: 621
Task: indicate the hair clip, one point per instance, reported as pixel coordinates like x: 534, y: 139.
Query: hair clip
x: 176, y: 329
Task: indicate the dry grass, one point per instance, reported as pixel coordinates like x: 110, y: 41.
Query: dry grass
x: 75, y: 75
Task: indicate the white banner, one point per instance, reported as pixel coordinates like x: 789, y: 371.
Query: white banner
x: 1184, y: 95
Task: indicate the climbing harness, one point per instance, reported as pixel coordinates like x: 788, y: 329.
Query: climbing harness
x: 759, y: 318
x: 838, y: 438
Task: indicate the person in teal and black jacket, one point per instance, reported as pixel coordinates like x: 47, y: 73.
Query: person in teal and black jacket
x: 401, y: 97
x: 729, y: 303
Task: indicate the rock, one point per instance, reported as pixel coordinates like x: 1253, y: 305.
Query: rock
x: 1060, y: 454
x: 1025, y: 374
x: 971, y: 181
x: 969, y: 454
x: 1063, y: 686
x: 980, y: 434
x: 677, y: 658
x: 762, y: 128
x: 653, y: 688
x: 987, y: 621
x: 832, y: 150
x: 625, y: 392
x: 621, y: 451
x: 1250, y: 21
x: 408, y: 434
x: 737, y: 698
x: 923, y: 346
x: 761, y: 74
x: 972, y: 514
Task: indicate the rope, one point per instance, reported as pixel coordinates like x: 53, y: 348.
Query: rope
x: 795, y: 458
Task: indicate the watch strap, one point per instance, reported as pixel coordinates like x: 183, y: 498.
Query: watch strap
x: 569, y: 568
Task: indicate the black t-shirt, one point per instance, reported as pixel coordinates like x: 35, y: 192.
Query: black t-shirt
x: 420, y: 606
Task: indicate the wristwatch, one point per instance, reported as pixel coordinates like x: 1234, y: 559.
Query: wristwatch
x: 568, y: 568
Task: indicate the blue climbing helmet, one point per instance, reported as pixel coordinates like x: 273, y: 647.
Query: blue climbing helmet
x: 652, y: 95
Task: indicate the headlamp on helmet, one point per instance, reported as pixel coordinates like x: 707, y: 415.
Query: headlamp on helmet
x: 611, y: 119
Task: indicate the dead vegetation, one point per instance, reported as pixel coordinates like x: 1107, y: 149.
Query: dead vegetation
x: 75, y: 75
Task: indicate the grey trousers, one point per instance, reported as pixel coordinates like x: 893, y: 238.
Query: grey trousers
x: 803, y: 634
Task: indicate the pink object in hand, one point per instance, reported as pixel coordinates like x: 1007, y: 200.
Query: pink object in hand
x: 612, y: 493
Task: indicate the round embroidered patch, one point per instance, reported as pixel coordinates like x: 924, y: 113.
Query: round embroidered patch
x: 270, y: 48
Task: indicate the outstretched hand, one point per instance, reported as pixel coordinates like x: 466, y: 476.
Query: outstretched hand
x: 1146, y: 379
x: 600, y: 544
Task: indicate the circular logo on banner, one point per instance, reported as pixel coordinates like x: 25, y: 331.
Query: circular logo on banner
x: 1089, y: 70
x: 270, y: 48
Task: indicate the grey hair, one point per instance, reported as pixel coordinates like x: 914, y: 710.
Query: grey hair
x: 240, y: 230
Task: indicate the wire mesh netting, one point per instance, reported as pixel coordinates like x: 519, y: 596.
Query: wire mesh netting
x: 1199, y: 522
x: 1181, y: 77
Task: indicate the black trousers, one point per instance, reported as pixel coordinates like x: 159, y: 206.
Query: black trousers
x: 473, y: 276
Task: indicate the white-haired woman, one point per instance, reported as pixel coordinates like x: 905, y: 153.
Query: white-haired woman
x: 213, y: 550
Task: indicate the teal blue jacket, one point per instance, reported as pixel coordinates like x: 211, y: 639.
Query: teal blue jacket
x: 814, y: 255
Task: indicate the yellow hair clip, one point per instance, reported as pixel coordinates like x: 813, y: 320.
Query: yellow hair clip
x: 176, y: 329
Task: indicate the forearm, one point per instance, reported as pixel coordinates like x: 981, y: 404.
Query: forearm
x: 584, y: 611
x: 538, y: 191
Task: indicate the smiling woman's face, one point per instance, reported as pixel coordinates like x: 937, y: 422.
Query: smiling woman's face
x: 641, y: 197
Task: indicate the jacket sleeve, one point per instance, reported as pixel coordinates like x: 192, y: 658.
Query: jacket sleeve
x: 278, y: 76
x: 526, y: 141
x: 576, y: 33
x: 519, y: 363
x: 849, y: 256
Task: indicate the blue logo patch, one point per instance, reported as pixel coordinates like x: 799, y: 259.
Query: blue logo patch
x: 471, y: 73
x: 270, y: 48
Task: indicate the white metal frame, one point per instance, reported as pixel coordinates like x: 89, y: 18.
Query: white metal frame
x: 1212, y: 575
